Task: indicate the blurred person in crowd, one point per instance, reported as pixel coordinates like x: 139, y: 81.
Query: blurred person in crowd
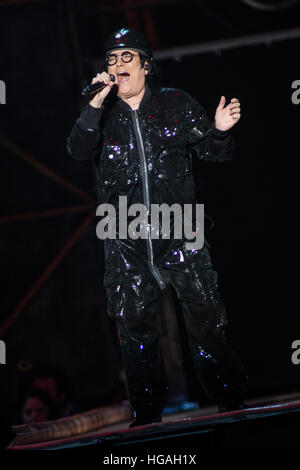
x: 37, y: 406
x: 53, y: 379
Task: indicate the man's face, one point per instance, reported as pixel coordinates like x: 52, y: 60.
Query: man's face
x: 130, y: 76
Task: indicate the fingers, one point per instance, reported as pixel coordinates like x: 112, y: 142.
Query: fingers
x: 100, y: 95
x: 235, y: 108
x: 103, y: 77
x: 234, y: 104
x: 235, y: 112
x: 222, y: 102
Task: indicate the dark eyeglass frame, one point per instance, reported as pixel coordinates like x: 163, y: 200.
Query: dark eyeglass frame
x: 115, y: 56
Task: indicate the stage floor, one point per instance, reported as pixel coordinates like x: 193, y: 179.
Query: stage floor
x: 275, y: 418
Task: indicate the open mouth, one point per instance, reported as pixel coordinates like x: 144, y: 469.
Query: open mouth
x: 123, y: 77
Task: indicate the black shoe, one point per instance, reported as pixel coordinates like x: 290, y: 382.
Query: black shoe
x: 141, y: 421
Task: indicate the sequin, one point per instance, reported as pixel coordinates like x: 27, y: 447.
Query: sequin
x: 206, y: 355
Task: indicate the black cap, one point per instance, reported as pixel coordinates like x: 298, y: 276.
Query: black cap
x: 127, y: 38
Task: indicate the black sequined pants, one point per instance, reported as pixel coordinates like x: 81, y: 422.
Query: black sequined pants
x: 132, y: 301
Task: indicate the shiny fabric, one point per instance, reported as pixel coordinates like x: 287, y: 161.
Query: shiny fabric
x: 127, y: 38
x: 147, y: 156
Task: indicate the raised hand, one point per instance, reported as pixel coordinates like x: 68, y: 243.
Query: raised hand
x: 227, y: 116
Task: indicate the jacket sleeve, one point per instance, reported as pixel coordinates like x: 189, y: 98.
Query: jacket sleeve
x: 83, y: 142
x: 203, y: 139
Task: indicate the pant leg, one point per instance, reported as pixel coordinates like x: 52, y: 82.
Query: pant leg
x: 133, y: 306
x: 221, y: 373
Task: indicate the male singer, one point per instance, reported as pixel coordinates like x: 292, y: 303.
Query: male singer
x: 142, y: 139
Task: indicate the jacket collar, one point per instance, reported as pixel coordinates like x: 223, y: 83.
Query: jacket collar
x: 143, y: 103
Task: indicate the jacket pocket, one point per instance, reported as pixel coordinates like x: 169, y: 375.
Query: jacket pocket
x: 168, y: 167
x: 115, y: 157
x: 120, y: 179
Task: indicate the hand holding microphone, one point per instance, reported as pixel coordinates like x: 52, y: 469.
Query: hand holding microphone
x: 107, y: 81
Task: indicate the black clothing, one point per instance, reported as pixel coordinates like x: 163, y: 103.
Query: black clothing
x: 146, y: 155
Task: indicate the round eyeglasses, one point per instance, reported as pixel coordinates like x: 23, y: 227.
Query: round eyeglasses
x: 126, y: 57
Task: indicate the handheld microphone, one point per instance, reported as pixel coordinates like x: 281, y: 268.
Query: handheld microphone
x: 90, y: 89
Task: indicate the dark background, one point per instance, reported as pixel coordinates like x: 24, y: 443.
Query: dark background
x: 49, y: 51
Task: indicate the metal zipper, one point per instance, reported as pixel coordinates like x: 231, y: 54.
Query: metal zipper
x: 153, y: 268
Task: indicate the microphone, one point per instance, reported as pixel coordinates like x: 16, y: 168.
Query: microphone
x: 90, y: 89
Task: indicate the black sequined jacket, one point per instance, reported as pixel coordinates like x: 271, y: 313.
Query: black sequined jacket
x: 146, y: 154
